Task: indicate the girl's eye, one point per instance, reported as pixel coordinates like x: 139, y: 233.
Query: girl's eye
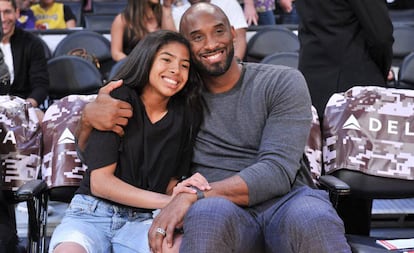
x: 186, y: 66
x: 166, y: 59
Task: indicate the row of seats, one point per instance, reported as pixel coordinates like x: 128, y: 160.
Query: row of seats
x: 101, y: 16
x: 275, y: 45
x: 404, y: 79
x: 366, y: 140
x: 281, y: 39
x: 280, y: 45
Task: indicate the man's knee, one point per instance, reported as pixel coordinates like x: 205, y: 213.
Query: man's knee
x: 311, y: 211
x: 216, y: 207
x: 216, y: 214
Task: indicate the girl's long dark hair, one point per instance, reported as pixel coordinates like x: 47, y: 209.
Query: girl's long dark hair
x: 137, y: 67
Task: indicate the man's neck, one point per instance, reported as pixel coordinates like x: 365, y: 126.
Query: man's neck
x: 224, y: 82
x: 6, y: 38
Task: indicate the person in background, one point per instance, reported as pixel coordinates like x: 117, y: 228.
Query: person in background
x: 287, y: 12
x: 26, y: 20
x: 137, y: 20
x: 24, y: 56
x: 262, y: 12
x: 259, y: 12
x: 130, y: 176
x: 234, y: 13
x: 52, y: 15
x: 8, y: 233
x: 343, y: 44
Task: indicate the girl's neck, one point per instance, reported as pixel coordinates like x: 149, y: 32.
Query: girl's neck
x: 155, y: 106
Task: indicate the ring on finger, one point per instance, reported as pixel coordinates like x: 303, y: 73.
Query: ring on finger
x: 161, y: 231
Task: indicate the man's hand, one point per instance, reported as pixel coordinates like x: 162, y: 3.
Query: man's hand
x: 286, y: 5
x: 105, y: 114
x: 170, y: 217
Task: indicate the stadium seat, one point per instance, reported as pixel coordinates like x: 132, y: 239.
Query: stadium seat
x: 403, y: 43
x: 115, y: 68
x: 271, y: 40
x: 406, y: 73
x: 72, y: 75
x: 21, y: 156
x: 368, y: 142
x: 108, y: 7
x: 93, y: 42
x: 99, y: 22
x: 290, y: 59
x: 62, y: 169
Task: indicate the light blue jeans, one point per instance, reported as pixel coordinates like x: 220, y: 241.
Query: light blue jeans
x: 102, y: 227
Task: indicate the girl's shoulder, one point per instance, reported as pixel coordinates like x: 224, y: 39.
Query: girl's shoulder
x: 125, y: 93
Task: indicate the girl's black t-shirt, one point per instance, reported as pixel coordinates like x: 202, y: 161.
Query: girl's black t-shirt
x: 149, y: 154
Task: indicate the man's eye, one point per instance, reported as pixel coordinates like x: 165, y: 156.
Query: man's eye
x: 197, y: 38
x: 219, y: 31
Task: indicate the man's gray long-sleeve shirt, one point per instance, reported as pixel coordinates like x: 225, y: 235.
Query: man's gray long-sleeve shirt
x: 257, y: 129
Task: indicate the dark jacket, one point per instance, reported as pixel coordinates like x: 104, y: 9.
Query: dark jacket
x: 31, y: 78
x: 344, y: 43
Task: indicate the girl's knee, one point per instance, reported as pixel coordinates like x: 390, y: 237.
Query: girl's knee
x: 69, y: 247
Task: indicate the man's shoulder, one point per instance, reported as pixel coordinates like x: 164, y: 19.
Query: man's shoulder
x: 26, y: 35
x: 269, y: 75
x: 266, y: 69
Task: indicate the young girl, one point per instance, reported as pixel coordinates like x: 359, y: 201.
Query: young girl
x: 130, y: 176
x: 137, y: 20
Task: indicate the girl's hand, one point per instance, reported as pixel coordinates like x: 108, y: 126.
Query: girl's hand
x: 196, y: 180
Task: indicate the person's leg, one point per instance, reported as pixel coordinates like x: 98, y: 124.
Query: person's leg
x: 218, y: 225
x: 86, y: 227
x: 8, y: 238
x: 133, y: 236
x: 266, y: 18
x: 304, y: 221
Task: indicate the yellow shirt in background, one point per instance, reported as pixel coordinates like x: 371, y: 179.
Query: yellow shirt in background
x: 52, y: 18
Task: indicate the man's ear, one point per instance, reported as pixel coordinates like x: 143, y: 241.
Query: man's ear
x: 233, y: 32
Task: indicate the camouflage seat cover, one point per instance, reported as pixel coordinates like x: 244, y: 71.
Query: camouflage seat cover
x: 61, y: 165
x: 313, y: 148
x: 21, y: 142
x: 371, y: 130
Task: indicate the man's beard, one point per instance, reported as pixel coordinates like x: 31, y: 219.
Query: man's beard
x: 216, y: 69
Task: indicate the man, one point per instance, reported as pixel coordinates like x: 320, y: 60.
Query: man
x: 24, y: 56
x: 257, y: 120
x: 234, y: 13
x: 343, y: 44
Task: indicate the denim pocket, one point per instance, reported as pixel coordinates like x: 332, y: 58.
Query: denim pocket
x: 82, y: 204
